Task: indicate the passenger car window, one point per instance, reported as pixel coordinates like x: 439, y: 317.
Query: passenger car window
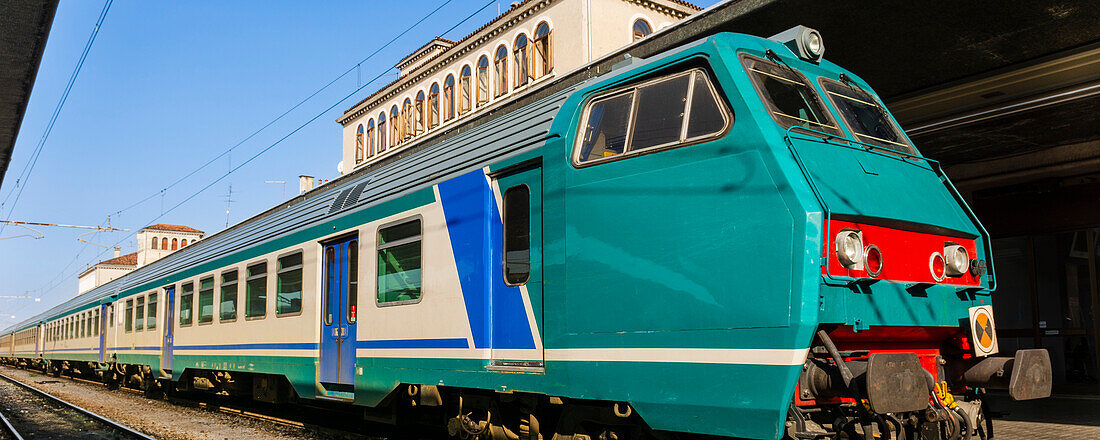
x: 229, y: 293
x: 256, y: 291
x: 129, y: 315
x: 865, y: 117
x: 187, y: 302
x: 399, y: 262
x: 353, y: 281
x: 151, y: 312
x: 666, y: 112
x: 789, y: 97
x: 206, y: 300
x: 139, y: 313
x: 289, y: 293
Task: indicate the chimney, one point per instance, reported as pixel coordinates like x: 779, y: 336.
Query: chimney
x: 118, y: 251
x: 305, y: 183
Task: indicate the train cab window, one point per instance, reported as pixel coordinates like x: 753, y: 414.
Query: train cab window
x: 789, y: 97
x: 288, y: 295
x: 865, y: 117
x: 139, y: 313
x: 187, y: 303
x: 256, y: 291
x: 206, y: 300
x: 517, y: 234
x: 151, y: 312
x: 662, y: 113
x: 399, y: 263
x: 230, y: 291
x: 129, y: 315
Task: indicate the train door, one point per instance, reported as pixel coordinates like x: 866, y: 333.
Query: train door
x: 338, y: 313
x: 517, y: 269
x: 102, y: 332
x: 169, y: 326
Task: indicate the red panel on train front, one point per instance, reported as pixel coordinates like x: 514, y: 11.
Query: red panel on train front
x: 905, y: 254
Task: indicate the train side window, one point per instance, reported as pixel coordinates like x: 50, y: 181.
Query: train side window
x: 129, y: 315
x: 256, y: 291
x: 139, y: 313
x: 288, y: 295
x: 151, y: 312
x: 111, y: 315
x: 187, y: 303
x: 206, y: 300
x: 81, y: 327
x: 399, y: 263
x: 330, y: 278
x: 517, y: 234
x: 95, y: 325
x: 230, y: 292
x: 666, y: 112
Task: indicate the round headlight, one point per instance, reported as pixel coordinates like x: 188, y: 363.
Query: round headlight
x: 937, y: 266
x: 849, y: 248
x: 813, y: 44
x: 872, y: 260
x: 958, y: 260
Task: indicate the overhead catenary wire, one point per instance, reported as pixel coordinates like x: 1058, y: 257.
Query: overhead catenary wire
x: 354, y: 68
x: 233, y: 169
x: 25, y: 174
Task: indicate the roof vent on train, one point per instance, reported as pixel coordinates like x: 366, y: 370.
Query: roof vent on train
x: 347, y: 198
x: 803, y: 41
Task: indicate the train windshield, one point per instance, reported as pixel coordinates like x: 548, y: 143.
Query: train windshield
x: 789, y: 96
x: 865, y: 117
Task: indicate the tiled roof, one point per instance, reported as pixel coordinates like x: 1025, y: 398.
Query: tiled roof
x: 172, y: 228
x: 125, y: 260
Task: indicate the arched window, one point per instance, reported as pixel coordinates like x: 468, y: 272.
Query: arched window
x: 433, y: 106
x: 183, y: 243
x: 370, y: 138
x: 449, y: 98
x: 382, y: 132
x: 542, y: 62
x: 175, y: 244
x: 421, y: 113
x: 359, y: 144
x: 409, y: 116
x: 464, y: 91
x: 641, y: 29
x: 482, y: 80
x: 154, y: 246
x: 500, y: 67
x: 164, y: 243
x: 522, y: 60
x: 395, y: 125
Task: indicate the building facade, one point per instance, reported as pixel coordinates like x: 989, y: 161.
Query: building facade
x: 154, y: 242
x: 446, y: 81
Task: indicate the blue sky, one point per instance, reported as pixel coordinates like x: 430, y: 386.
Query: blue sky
x: 170, y: 85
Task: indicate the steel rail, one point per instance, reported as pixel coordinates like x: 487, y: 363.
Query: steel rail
x: 94, y: 416
x: 11, y: 429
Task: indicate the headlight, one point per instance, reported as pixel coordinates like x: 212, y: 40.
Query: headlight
x: 958, y: 261
x: 813, y: 44
x: 872, y: 260
x: 804, y: 42
x: 849, y: 248
x: 937, y: 266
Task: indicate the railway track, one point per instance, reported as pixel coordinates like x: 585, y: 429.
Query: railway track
x: 29, y: 413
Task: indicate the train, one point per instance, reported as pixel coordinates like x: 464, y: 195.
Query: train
x: 731, y: 238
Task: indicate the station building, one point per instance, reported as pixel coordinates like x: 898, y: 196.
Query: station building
x: 445, y: 81
x: 154, y: 242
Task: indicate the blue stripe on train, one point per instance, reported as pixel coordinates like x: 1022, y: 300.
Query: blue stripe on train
x: 470, y: 209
